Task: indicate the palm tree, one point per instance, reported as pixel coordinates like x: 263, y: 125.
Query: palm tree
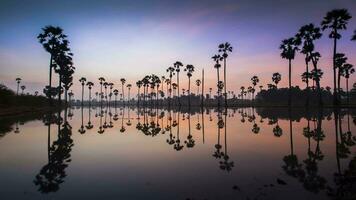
x: 189, y: 69
x: 106, y: 84
x: 90, y: 85
x: 170, y: 70
x: 225, y: 48
x: 217, y: 59
x: 306, y: 36
x: 52, y: 40
x: 254, y: 80
x: 347, y: 70
x: 242, y: 88
x: 22, y: 88
x: 276, y: 78
x: 335, y: 20
x: 139, y: 85
x: 129, y: 88
x: 198, y: 82
x: 289, y: 47
x: 102, y: 80
x: 82, y: 80
x: 18, y: 81
x: 123, y: 81
x: 340, y: 61
x: 116, y: 92
x: 111, y: 87
x: 177, y: 65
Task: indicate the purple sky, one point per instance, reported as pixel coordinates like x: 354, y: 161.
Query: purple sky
x: 130, y: 39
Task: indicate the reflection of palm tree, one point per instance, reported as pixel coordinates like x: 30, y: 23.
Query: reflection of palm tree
x: 89, y: 125
x: 335, y: 20
x: 82, y: 130
x: 190, y: 141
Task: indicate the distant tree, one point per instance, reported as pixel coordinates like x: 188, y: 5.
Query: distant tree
x: 198, y: 82
x: 139, y: 85
x: 242, y: 92
x: 254, y: 80
x: 346, y: 70
x: 123, y: 81
x: 101, y: 82
x: 177, y: 65
x: 90, y: 86
x: 276, y: 78
x: 189, y: 69
x: 23, y: 88
x: 82, y: 81
x: 170, y: 71
x: 335, y: 20
x: 116, y: 92
x: 18, y: 81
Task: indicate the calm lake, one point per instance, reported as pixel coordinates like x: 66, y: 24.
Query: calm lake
x: 130, y: 153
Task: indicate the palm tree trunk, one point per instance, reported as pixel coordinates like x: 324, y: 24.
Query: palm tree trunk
x: 123, y: 94
x: 225, y: 94
x: 202, y: 89
x: 17, y: 91
x: 217, y: 69
x: 178, y: 89
x: 347, y: 90
x: 60, y: 90
x: 50, y: 81
x: 189, y: 90
x: 290, y: 83
x: 307, y: 81
x: 65, y: 97
x: 89, y: 97
x: 338, y: 86
x: 336, y: 101
x: 82, y: 94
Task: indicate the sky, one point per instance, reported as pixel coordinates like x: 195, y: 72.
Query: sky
x: 129, y: 39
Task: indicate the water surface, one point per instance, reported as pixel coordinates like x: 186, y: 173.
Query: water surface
x: 151, y: 153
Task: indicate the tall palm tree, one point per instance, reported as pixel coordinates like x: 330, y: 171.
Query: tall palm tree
x: 171, y: 71
x: 23, y: 88
x: 289, y: 47
x: 225, y: 48
x: 198, y: 82
x: 129, y: 88
x: 123, y: 81
x: 90, y: 86
x: 18, y: 81
x: 111, y: 87
x: 335, y: 20
x: 306, y: 36
x: 52, y: 39
x: 106, y: 84
x: 254, y: 80
x: 82, y: 81
x: 189, y: 69
x: 217, y: 58
x: 276, y: 78
x: 139, y: 85
x: 177, y: 65
x: 102, y: 80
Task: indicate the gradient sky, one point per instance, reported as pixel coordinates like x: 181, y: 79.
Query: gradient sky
x: 130, y: 39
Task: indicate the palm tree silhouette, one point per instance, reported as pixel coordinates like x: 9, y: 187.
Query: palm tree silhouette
x: 106, y: 84
x: 139, y: 85
x: 346, y: 70
x: 254, y: 80
x: 129, y: 88
x: 111, y: 86
x: 198, y: 82
x: 217, y: 59
x: 23, y: 88
x: 306, y: 36
x: 335, y: 20
x: 90, y: 85
x: 289, y: 47
x: 123, y: 81
x: 210, y: 90
x: 82, y: 81
x: 189, y: 69
x: 102, y: 80
x: 52, y: 40
x: 171, y: 71
x: 177, y: 65
x: 18, y: 81
x: 225, y: 48
x: 276, y: 78
x: 242, y: 88
x: 116, y: 92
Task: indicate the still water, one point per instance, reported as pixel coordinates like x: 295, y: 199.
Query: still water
x: 130, y: 153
